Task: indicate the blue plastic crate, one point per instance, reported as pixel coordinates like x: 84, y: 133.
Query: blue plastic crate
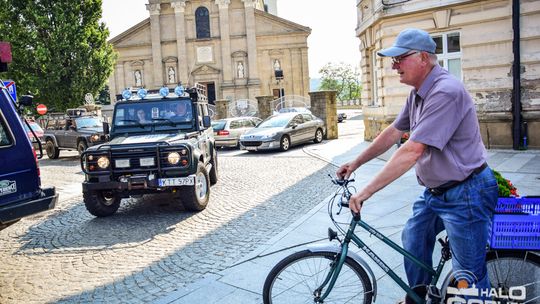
x: 514, y: 231
x: 518, y: 205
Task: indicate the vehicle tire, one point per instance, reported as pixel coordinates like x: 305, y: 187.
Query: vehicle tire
x: 195, y: 198
x: 509, y: 268
x: 295, y: 278
x: 52, y: 151
x: 284, y: 143
x: 318, y: 136
x: 214, y: 171
x: 81, y: 147
x: 101, y: 203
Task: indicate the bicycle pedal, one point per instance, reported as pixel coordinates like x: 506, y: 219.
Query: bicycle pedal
x: 433, y: 295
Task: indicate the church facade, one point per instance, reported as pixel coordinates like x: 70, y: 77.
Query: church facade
x: 233, y: 47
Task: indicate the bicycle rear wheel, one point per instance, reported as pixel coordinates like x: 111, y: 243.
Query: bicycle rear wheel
x: 515, y: 269
x: 295, y: 278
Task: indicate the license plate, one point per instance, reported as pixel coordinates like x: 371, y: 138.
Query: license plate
x: 176, y: 181
x: 147, y: 162
x: 251, y: 148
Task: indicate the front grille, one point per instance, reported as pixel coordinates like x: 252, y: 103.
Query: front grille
x: 251, y: 143
x: 134, y: 154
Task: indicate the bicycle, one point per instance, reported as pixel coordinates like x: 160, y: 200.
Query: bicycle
x: 333, y: 274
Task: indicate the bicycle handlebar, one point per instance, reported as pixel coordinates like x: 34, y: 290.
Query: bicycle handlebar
x: 344, y: 183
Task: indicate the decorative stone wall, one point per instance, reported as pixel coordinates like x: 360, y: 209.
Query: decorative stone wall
x: 221, y: 109
x: 265, y: 106
x: 323, y: 105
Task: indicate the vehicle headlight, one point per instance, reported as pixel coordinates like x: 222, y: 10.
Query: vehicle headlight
x: 173, y: 158
x: 94, y: 137
x: 268, y: 136
x: 103, y: 162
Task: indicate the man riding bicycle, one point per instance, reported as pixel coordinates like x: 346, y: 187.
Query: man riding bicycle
x: 449, y: 156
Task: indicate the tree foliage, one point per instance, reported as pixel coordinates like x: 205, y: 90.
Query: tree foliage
x: 60, y: 49
x: 342, y: 78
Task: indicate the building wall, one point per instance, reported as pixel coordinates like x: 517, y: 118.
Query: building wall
x: 238, y: 57
x: 485, y: 29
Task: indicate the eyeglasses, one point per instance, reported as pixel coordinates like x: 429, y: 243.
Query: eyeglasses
x: 398, y: 60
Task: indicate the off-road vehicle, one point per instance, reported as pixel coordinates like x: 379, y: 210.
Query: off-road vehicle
x: 153, y: 148
x: 76, y: 129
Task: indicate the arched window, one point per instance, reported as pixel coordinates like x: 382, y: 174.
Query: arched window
x: 202, y: 22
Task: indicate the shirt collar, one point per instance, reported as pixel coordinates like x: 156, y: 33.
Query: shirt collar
x: 429, y: 81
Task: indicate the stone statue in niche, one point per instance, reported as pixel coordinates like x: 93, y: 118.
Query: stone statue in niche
x: 277, y: 65
x: 240, y: 70
x: 138, y: 78
x: 172, y: 75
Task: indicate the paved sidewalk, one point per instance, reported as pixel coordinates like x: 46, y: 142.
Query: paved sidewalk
x: 243, y: 282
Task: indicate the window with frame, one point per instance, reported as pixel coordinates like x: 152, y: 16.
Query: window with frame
x: 202, y: 22
x: 5, y: 138
x: 448, y: 52
x: 236, y: 124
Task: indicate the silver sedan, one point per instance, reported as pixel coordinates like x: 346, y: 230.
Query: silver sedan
x: 281, y: 131
x: 227, y: 131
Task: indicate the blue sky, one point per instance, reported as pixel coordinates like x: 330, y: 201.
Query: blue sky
x: 332, y: 26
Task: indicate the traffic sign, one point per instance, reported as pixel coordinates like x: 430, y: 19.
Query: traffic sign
x: 10, y: 85
x: 41, y: 109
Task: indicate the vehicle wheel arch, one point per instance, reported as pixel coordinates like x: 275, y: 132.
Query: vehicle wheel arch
x: 51, y: 138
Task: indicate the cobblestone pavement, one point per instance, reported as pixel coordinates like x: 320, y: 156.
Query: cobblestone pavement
x: 150, y: 248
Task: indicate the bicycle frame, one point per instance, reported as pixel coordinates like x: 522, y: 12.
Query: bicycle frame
x: 351, y: 236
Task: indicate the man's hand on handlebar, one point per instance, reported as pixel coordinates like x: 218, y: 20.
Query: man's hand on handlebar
x: 345, y: 171
x: 356, y: 201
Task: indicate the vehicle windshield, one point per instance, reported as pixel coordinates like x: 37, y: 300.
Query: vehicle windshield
x: 275, y: 122
x: 218, y: 125
x: 89, y: 122
x: 34, y: 127
x: 162, y: 114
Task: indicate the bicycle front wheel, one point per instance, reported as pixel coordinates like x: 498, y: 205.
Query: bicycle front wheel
x: 296, y: 278
x: 516, y: 270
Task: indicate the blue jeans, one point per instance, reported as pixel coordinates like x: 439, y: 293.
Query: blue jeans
x: 465, y: 211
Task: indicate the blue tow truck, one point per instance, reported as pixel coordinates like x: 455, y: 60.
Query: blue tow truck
x: 21, y: 193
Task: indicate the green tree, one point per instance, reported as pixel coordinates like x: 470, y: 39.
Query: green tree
x: 60, y: 49
x: 342, y: 78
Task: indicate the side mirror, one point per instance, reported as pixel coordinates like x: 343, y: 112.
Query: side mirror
x: 294, y: 125
x: 26, y: 100
x: 106, y: 128
x: 207, y: 121
x: 73, y: 128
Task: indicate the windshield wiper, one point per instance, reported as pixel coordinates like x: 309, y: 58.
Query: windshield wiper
x: 132, y: 121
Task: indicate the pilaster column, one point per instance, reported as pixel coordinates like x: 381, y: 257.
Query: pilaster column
x: 155, y: 30
x: 249, y: 6
x: 225, y: 40
x: 120, y: 76
x: 323, y: 105
x: 179, y: 19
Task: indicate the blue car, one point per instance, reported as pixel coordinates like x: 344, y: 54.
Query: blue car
x: 21, y: 193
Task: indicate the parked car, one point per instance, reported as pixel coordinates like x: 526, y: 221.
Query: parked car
x: 21, y: 193
x: 282, y: 131
x: 341, y: 117
x: 227, y: 131
x: 37, y: 130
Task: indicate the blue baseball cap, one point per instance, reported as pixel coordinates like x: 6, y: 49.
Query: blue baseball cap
x: 407, y: 40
